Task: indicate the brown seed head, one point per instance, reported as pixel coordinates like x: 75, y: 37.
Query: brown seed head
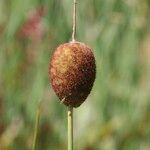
x: 72, y: 72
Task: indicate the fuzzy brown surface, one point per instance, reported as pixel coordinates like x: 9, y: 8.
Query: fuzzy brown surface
x: 72, y: 72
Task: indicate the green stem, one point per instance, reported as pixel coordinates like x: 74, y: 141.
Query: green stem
x: 74, y: 21
x: 70, y: 128
x: 36, y: 128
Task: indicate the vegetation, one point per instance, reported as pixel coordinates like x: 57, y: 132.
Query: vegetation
x: 116, y: 114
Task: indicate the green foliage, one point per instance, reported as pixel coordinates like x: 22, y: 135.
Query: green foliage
x: 116, y: 114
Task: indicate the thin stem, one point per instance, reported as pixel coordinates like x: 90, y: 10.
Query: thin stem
x: 70, y: 128
x: 36, y: 128
x: 74, y: 21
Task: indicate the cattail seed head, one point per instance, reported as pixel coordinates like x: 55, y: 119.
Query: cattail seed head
x: 72, y: 72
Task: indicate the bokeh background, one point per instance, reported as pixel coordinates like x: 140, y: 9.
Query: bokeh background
x: 116, y: 115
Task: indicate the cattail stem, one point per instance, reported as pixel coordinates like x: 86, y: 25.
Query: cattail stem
x: 74, y: 21
x: 36, y: 128
x: 70, y: 109
x: 70, y: 128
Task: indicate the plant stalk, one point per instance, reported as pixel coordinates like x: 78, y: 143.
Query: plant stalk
x: 70, y: 108
x: 36, y: 128
x: 74, y: 21
x: 70, y: 128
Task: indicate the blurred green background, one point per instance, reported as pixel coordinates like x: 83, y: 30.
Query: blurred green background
x: 116, y: 115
